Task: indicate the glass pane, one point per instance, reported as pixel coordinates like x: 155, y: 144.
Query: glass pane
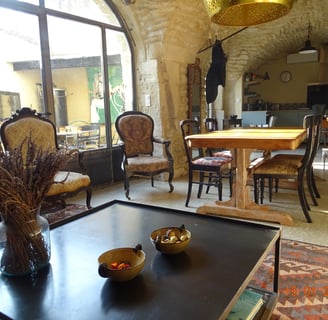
x: 19, y: 62
x: 77, y: 76
x: 92, y: 9
x: 120, y: 76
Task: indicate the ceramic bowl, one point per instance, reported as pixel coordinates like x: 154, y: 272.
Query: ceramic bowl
x: 134, y: 257
x: 171, y: 240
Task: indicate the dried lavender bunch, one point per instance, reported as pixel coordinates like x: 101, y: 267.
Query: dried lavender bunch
x: 26, y: 175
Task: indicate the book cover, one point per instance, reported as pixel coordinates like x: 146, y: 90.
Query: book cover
x: 247, y: 306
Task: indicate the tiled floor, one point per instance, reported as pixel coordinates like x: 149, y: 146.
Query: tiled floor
x: 285, y: 200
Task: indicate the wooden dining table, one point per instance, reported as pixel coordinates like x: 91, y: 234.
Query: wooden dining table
x: 242, y: 142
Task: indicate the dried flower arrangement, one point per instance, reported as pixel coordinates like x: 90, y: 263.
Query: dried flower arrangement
x: 26, y: 175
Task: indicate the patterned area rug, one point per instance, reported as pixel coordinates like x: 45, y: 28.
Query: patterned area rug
x: 303, y: 282
x: 62, y: 216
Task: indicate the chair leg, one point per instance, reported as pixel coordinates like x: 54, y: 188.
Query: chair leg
x: 171, y: 174
x: 189, y: 188
x: 219, y: 177
x: 127, y: 186
x: 209, y: 182
x: 230, y: 182
x: 302, y: 198
x: 256, y: 192
x: 89, y: 195
x: 262, y: 183
x: 276, y: 184
x: 270, y: 189
x: 315, y: 188
x: 201, y: 183
x: 310, y: 182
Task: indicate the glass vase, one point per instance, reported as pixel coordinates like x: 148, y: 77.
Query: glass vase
x: 24, y: 246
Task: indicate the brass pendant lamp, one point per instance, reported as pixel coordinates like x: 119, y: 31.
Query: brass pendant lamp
x: 246, y: 12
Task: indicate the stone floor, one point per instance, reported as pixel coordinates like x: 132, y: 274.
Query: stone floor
x: 285, y: 200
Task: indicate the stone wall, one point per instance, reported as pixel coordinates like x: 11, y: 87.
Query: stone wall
x: 168, y: 35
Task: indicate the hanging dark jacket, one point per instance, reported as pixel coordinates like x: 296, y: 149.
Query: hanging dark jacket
x: 216, y: 73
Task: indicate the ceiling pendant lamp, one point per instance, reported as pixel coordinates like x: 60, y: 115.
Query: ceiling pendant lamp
x: 246, y: 12
x: 308, y: 46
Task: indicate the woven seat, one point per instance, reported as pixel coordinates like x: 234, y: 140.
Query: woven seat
x: 211, y: 169
x: 27, y: 122
x: 137, y: 143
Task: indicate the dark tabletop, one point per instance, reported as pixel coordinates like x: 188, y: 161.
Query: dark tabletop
x: 199, y: 283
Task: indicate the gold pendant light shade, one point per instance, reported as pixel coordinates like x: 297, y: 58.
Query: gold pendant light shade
x: 246, y: 12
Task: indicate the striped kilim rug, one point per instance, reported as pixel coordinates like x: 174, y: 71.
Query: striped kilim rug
x: 303, y: 282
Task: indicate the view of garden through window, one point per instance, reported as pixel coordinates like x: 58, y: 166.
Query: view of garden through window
x: 63, y: 75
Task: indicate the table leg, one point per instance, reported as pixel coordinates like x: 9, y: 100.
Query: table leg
x: 241, y: 205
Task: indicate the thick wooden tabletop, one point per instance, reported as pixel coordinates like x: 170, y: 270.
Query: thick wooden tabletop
x: 251, y: 138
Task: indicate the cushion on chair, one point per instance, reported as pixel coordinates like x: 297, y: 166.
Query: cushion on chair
x: 67, y: 182
x: 212, y: 161
x: 147, y: 164
x: 224, y: 153
x: 291, y: 157
x: 278, y: 166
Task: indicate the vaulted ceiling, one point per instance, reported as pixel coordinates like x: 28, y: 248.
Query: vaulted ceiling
x: 185, y: 23
x: 280, y: 37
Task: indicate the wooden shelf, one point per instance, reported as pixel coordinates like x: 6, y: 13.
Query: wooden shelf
x: 251, y: 83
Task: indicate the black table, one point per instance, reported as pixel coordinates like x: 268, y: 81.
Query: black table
x: 203, y: 282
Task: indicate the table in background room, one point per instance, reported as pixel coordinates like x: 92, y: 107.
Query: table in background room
x: 244, y: 141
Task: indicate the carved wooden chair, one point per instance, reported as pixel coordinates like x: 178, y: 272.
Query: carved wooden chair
x: 211, y: 169
x: 135, y: 130
x: 26, y: 122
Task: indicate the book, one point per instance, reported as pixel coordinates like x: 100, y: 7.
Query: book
x: 247, y: 306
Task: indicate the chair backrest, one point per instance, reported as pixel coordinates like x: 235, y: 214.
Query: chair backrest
x: 189, y: 126
x: 232, y: 122
x: 319, y: 109
x: 317, y: 120
x: 272, y: 121
x: 211, y: 124
x: 136, y: 132
x: 28, y: 123
x: 310, y: 124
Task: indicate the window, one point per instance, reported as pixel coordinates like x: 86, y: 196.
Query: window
x: 19, y: 33
x: 86, y: 76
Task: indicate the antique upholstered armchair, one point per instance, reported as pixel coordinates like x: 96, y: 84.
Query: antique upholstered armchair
x: 26, y: 122
x: 137, y: 141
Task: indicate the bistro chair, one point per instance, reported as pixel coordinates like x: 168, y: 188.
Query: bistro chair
x: 287, y: 168
x: 210, y: 169
x: 88, y: 136
x: 27, y: 122
x: 211, y: 124
x: 312, y: 187
x: 136, y: 130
